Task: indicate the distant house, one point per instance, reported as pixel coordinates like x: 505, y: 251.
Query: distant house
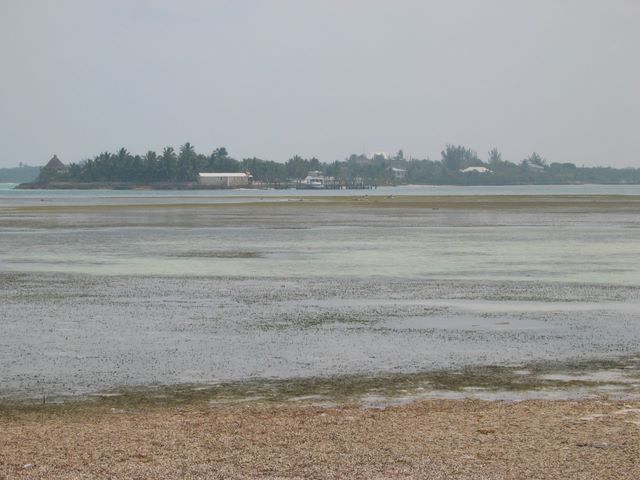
x: 399, y: 173
x: 383, y: 155
x: 533, y: 166
x: 476, y: 169
x: 370, y: 159
x: 226, y: 180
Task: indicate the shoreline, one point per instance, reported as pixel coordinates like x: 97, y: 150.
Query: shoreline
x: 618, y: 379
x: 127, y: 186
x: 275, y: 186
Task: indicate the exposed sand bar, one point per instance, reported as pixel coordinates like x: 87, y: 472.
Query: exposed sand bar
x: 596, y: 439
x: 486, y: 202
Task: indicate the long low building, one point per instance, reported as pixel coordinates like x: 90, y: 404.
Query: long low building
x: 226, y: 180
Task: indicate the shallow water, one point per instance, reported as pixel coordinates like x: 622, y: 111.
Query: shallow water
x: 10, y: 196
x: 316, y: 241
x: 98, y: 299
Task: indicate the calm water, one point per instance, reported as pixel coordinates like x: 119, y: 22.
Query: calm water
x: 97, y: 298
x: 10, y: 196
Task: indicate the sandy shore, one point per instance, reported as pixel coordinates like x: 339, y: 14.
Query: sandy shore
x: 468, y: 439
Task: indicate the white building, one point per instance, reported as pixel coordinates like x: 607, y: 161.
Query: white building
x: 399, y: 173
x: 533, y: 166
x: 476, y: 169
x: 226, y: 180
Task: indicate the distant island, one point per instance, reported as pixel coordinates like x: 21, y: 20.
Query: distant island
x: 458, y: 165
x: 19, y: 174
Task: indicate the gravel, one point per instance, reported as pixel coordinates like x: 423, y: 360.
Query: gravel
x: 434, y: 439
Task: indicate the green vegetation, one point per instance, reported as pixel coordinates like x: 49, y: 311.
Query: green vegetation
x: 183, y: 167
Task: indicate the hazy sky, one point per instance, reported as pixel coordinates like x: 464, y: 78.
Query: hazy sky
x: 321, y: 78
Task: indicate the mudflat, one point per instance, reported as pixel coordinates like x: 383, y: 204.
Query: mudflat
x: 575, y: 203
x: 356, y: 337
x: 452, y: 439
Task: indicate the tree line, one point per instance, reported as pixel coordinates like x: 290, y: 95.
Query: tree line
x: 184, y: 165
x: 19, y: 174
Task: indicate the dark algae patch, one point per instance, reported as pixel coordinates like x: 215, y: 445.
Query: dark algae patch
x: 506, y: 381
x: 217, y: 254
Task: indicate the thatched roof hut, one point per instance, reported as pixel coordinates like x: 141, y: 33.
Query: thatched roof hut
x: 54, y: 164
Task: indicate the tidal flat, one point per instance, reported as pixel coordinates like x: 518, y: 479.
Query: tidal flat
x: 369, y: 299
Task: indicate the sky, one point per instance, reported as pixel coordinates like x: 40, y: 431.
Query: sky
x: 276, y: 78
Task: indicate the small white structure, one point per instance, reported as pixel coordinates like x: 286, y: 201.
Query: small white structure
x: 226, y: 180
x: 533, y: 166
x: 384, y: 155
x: 316, y: 179
x: 476, y: 169
x: 399, y: 173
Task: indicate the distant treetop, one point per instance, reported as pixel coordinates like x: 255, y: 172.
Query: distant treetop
x: 458, y: 165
